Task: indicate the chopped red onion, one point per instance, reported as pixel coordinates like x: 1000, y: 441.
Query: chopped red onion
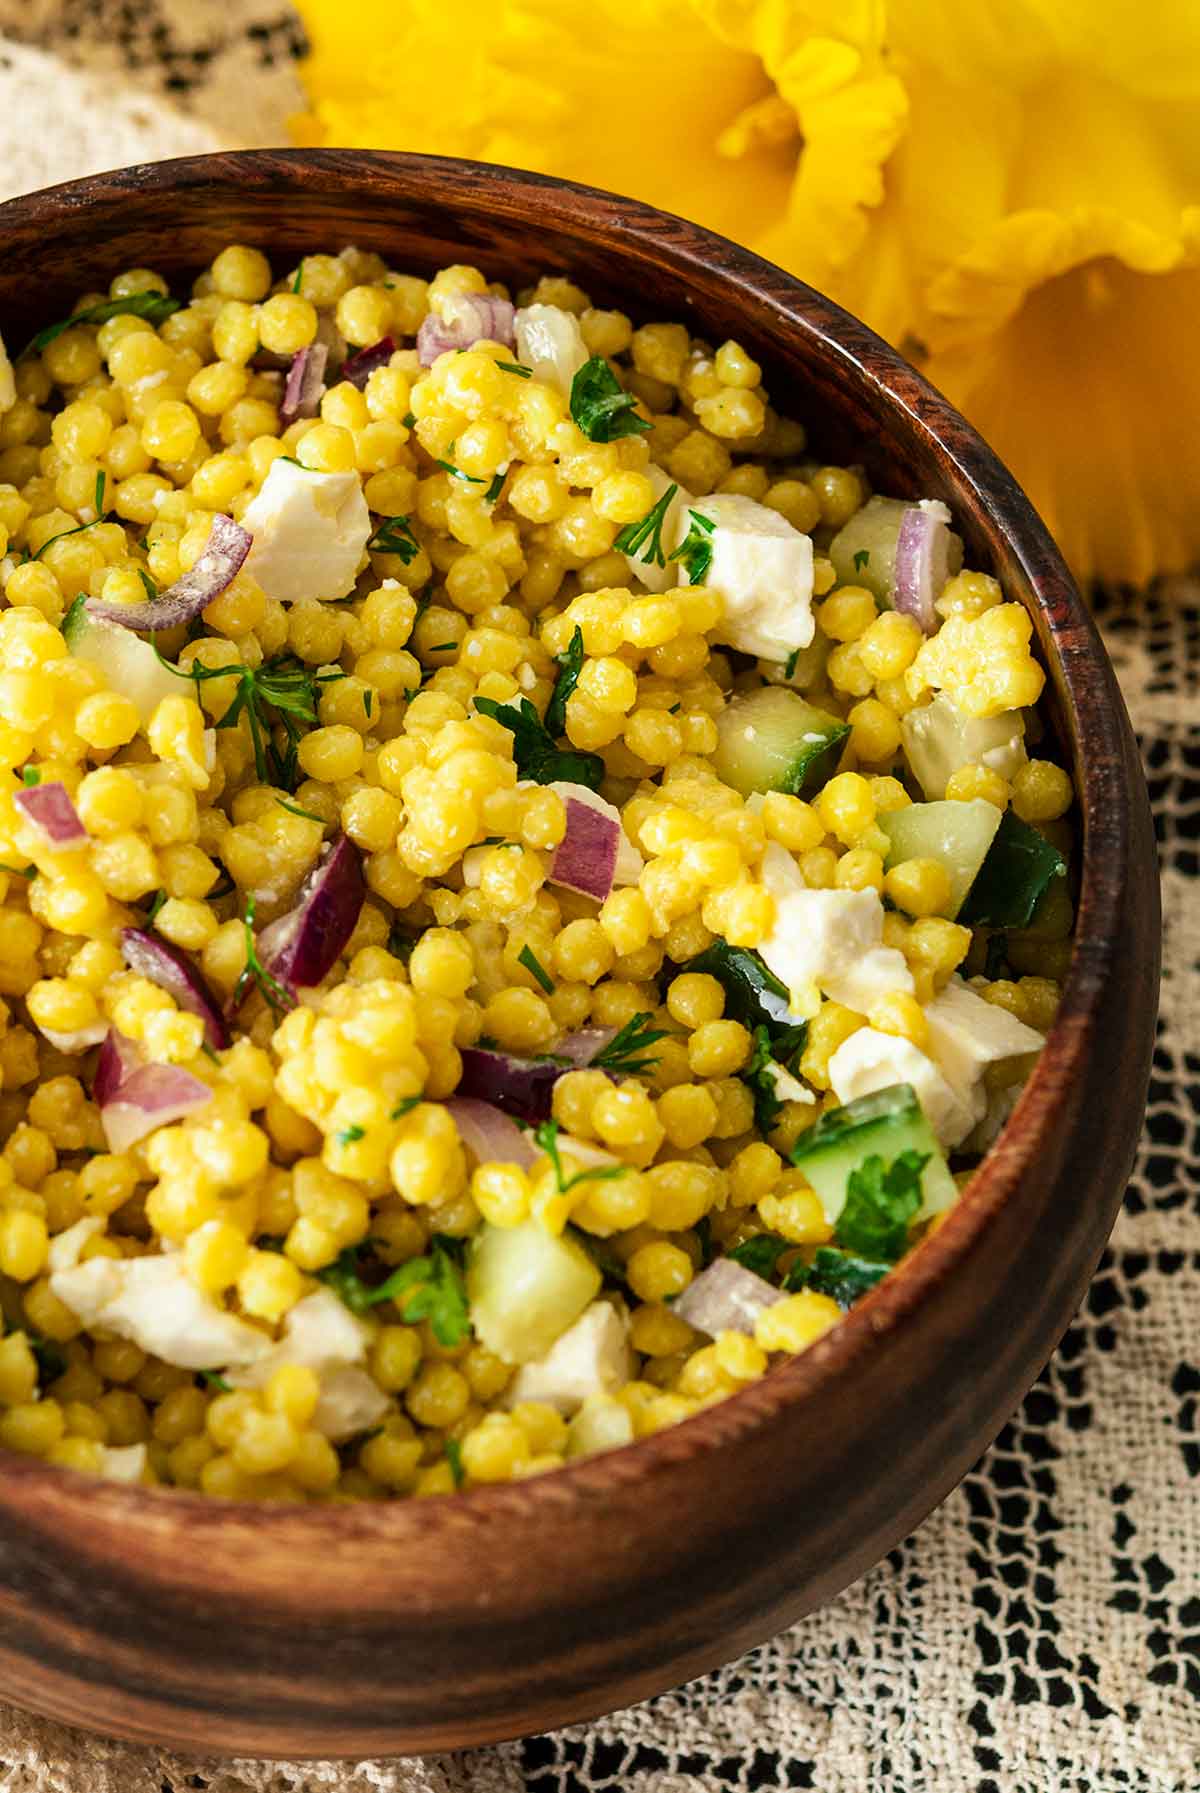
x: 135, y: 1099
x: 305, y: 383
x: 155, y: 958
x: 586, y: 857
x: 725, y: 1298
x: 926, y: 553
x: 227, y: 547
x: 50, y: 809
x: 331, y: 339
x: 582, y: 1047
x: 300, y: 948
x: 520, y: 1086
x: 468, y: 318
x: 359, y: 368
x: 490, y: 1135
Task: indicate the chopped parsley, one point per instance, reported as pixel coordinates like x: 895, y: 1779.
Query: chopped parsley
x: 101, y: 516
x: 470, y: 479
x: 494, y: 490
x: 694, y: 552
x: 601, y: 406
x: 156, y: 903
x: 628, y: 1052
x: 404, y: 1106
x: 368, y: 699
x: 534, y: 750
x: 760, y: 1253
x: 282, y: 684
x: 276, y: 997
x: 534, y: 966
x: 454, y: 1459
x: 515, y: 367
x: 429, y: 1287
x: 546, y: 1137
x: 14, y: 871
x: 409, y: 418
x: 30, y: 776
x: 152, y: 306
x: 148, y: 585
x: 789, y: 665
x: 294, y: 809
x: 841, y: 1275
x: 862, y: 559
x: 756, y: 1075
x: 299, y: 276
x: 350, y: 1136
x: 213, y: 1380
x: 754, y: 996
x: 570, y: 665
x: 881, y: 1203
x: 394, y: 535
x: 648, y: 533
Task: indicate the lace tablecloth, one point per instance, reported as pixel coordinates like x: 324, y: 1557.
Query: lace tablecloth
x: 1040, y: 1633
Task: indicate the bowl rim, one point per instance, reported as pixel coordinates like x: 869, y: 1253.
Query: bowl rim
x: 1085, y: 687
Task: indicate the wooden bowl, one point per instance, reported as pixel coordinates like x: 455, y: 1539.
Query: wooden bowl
x: 432, y: 1625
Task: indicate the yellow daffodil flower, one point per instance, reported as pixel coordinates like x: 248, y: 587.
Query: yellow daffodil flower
x: 1012, y: 193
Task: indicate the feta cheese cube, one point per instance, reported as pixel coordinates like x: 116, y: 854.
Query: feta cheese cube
x: 592, y: 1356
x: 550, y: 341
x: 870, y: 1061
x: 763, y: 569
x: 967, y: 1034
x: 153, y: 1302
x: 66, y: 1246
x: 123, y: 1463
x: 323, y: 1335
x: 832, y: 939
x: 310, y: 533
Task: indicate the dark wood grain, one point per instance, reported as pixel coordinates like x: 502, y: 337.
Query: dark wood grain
x: 438, y: 1624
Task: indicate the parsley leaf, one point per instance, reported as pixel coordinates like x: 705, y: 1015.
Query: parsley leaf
x: 753, y: 996
x: 15, y: 871
x: 299, y: 276
x: 694, y: 552
x: 601, y: 406
x: 515, y: 367
x: 294, y: 809
x: 282, y: 684
x: 213, y: 1380
x: 494, y: 490
x: 760, y: 1254
x: 429, y: 1287
x: 881, y: 1202
x: 840, y: 1274
x: 789, y: 665
x: 454, y: 1459
x: 277, y: 998
x: 101, y: 516
x: 625, y: 1053
x: 404, y: 1106
x: 152, y: 306
x: 534, y: 750
x: 648, y: 533
x: 546, y: 1136
x: 156, y: 903
x: 756, y: 1075
x: 534, y: 966
x: 470, y: 479
x: 570, y: 666
x: 862, y: 559
x: 394, y: 535
x: 350, y: 1136
x: 30, y: 776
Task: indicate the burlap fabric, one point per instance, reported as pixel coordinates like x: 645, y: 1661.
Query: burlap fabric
x: 1041, y: 1632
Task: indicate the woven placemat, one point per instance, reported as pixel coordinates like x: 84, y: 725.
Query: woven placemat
x: 1040, y: 1633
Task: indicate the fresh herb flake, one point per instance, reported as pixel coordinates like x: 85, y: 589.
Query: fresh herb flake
x: 546, y: 1137
x: 570, y: 665
x: 882, y: 1200
x: 276, y: 997
x: 299, y: 276
x: 534, y: 749
x: 754, y: 996
x: 30, y: 776
x: 393, y: 535
x: 842, y: 1275
x: 470, y: 479
x: 213, y: 1380
x: 152, y: 306
x: 156, y: 903
x: 515, y: 367
x: 350, y: 1136
x: 494, y: 490
x: 404, y: 1106
x: 756, y: 1075
x: 789, y: 665
x: 694, y: 552
x: 282, y: 684
x: 148, y: 585
x: 647, y: 534
x: 534, y: 966
x: 760, y: 1253
x: 862, y: 559
x: 14, y: 871
x: 601, y: 406
x: 454, y: 1459
x: 294, y: 809
x: 429, y: 1287
x: 628, y: 1052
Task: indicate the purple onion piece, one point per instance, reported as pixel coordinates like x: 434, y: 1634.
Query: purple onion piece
x: 585, y: 859
x: 520, y: 1086
x: 725, y: 1298
x: 300, y: 948
x: 359, y: 368
x: 149, y: 1098
x: 582, y: 1047
x: 117, y: 1059
x: 305, y: 383
x: 489, y: 1134
x: 155, y: 958
x: 227, y: 547
x: 926, y: 554
x: 469, y: 318
x: 50, y: 809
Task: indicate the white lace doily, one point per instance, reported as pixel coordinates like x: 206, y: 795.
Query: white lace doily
x: 1041, y: 1632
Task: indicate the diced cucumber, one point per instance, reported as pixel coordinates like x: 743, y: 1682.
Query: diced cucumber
x: 883, y: 1124
x: 1020, y: 870
x: 773, y: 740
x: 863, y: 552
x: 753, y: 995
x: 602, y: 1424
x: 525, y: 1287
x: 938, y: 739
x: 959, y: 834
x: 129, y: 664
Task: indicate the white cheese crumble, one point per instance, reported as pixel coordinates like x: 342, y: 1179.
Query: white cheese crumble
x: 66, y: 1246
x: 310, y: 533
x: 590, y: 1357
x: 550, y: 342
x: 123, y: 1463
x: 870, y: 1061
x: 830, y: 939
x: 322, y: 1334
x: 153, y: 1302
x: 762, y: 569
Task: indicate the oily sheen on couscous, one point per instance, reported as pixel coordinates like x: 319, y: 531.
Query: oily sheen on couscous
x: 523, y: 894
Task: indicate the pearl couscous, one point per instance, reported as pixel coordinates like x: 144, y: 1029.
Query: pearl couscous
x: 522, y: 892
